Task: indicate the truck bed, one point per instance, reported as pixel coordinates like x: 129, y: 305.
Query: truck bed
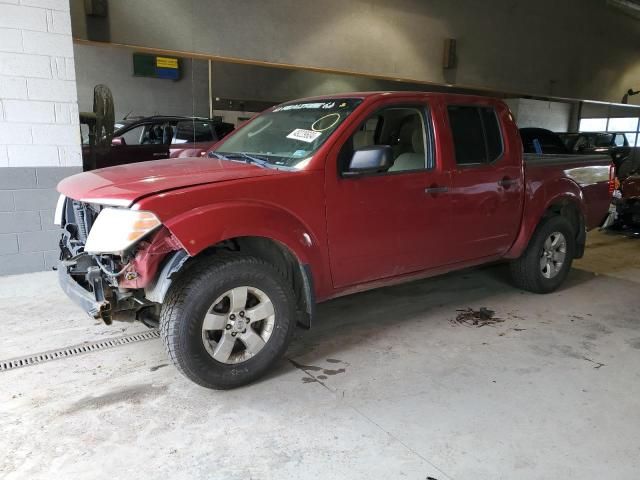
x: 590, y: 172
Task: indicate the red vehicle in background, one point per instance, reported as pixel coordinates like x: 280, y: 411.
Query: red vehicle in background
x: 311, y: 200
x: 627, y: 205
x: 159, y: 137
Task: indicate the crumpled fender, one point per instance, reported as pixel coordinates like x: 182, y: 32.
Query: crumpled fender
x: 539, y: 197
x: 143, y: 268
x: 205, y: 226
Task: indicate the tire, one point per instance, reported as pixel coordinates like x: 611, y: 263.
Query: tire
x: 191, y: 344
x: 527, y: 271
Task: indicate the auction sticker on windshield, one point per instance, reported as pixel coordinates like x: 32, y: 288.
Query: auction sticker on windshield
x: 304, y: 135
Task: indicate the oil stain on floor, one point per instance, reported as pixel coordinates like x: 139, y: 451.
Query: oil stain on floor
x: 133, y: 394
x: 326, y: 372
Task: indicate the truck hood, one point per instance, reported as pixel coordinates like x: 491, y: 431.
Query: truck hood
x: 124, y: 184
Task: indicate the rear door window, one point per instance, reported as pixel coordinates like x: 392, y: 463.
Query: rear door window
x: 184, y: 132
x: 492, y: 133
x: 222, y: 129
x: 476, y: 134
x: 194, y: 131
x: 202, y: 132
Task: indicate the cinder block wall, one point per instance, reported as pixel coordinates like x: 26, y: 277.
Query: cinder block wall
x: 555, y: 116
x: 28, y: 237
x: 39, y: 131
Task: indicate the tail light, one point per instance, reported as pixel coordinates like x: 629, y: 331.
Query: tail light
x: 613, y: 181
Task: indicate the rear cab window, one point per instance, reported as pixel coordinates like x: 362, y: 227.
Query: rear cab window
x: 476, y: 132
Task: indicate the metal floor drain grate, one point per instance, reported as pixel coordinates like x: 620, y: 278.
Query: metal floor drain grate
x: 75, y: 350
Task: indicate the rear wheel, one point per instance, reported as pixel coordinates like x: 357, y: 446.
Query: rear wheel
x: 547, y: 260
x: 226, y: 321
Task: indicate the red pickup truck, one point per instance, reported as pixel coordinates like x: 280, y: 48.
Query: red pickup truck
x: 311, y: 200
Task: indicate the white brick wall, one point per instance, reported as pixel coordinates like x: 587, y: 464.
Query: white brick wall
x: 29, y: 111
x: 553, y: 116
x: 10, y: 40
x: 11, y: 87
x: 4, y: 159
x: 47, y: 155
x: 38, y: 97
x: 23, y: 18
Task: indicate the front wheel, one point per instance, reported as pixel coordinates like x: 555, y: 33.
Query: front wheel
x: 546, y: 262
x: 227, y: 320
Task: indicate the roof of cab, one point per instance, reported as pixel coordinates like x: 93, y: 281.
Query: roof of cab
x: 366, y: 95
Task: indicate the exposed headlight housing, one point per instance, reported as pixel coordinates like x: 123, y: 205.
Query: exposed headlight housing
x: 117, y: 229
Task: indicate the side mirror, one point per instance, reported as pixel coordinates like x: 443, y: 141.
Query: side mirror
x: 117, y: 142
x: 367, y: 160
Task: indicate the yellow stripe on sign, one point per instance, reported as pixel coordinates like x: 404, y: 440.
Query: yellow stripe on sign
x: 166, y: 62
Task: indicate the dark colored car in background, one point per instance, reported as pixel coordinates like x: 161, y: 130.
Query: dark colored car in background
x: 158, y: 137
x: 598, y: 142
x: 628, y: 204
x: 612, y: 143
x: 542, y: 141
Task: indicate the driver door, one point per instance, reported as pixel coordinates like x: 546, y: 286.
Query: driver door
x: 390, y: 223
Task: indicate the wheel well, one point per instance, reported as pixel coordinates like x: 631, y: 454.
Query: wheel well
x: 569, y: 210
x: 278, y: 255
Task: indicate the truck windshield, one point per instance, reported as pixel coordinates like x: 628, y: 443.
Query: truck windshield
x: 289, y: 134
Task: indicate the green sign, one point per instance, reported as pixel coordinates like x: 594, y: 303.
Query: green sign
x: 156, y: 66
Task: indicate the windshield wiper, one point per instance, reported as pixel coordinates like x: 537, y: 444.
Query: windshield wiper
x: 243, y: 155
x: 217, y: 155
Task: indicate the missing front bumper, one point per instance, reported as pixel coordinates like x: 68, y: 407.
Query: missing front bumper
x: 93, y: 303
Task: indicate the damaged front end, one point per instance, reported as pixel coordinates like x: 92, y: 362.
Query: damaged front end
x: 121, y: 285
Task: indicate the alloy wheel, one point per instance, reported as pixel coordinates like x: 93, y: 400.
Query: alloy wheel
x: 554, y: 252
x: 238, y: 325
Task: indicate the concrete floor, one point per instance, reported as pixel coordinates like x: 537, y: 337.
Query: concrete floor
x: 386, y: 387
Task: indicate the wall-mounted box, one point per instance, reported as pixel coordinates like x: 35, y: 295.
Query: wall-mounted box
x: 157, y: 66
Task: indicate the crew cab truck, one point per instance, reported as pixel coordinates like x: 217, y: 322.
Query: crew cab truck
x: 311, y: 200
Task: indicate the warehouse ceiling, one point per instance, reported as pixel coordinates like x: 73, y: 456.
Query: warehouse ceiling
x: 631, y: 7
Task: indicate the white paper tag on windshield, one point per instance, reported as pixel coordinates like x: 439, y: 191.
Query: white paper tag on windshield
x: 304, y: 135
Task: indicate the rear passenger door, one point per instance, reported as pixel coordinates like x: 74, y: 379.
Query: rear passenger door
x: 487, y: 182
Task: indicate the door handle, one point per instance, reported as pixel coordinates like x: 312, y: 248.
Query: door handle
x: 506, y: 182
x: 435, y: 189
x: 159, y: 154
